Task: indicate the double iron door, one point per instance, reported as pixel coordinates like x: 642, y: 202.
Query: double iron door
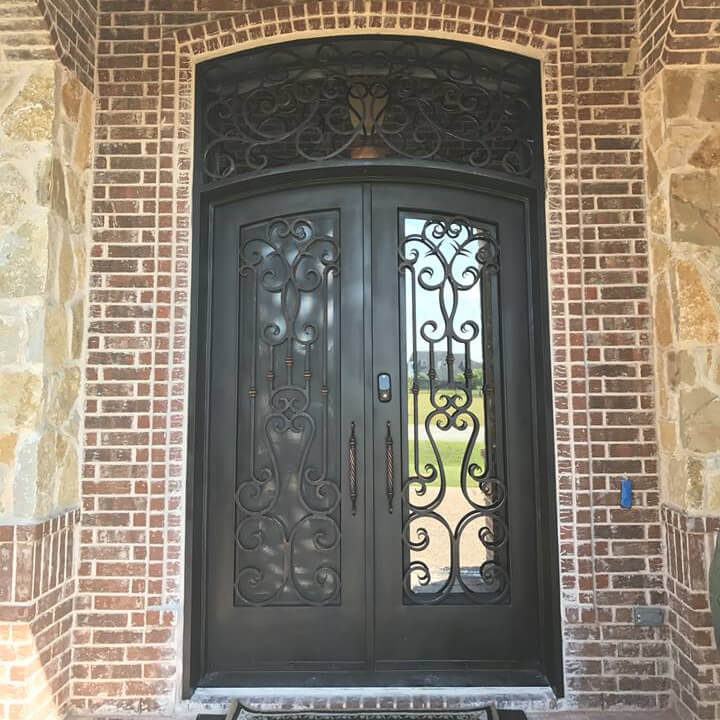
x: 370, y: 498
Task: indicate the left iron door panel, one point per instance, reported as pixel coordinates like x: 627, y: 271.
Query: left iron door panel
x: 285, y: 559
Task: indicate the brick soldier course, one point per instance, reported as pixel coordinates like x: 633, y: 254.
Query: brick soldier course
x: 116, y: 600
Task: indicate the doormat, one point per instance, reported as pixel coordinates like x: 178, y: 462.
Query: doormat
x: 238, y: 711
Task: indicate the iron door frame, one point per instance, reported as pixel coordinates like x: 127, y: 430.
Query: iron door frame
x: 408, y: 172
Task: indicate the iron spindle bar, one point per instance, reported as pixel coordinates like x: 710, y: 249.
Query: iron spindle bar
x: 389, y: 470
x: 352, y: 469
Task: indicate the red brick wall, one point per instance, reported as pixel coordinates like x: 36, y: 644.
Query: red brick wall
x: 696, y: 658
x: 130, y: 585
x: 37, y: 586
x: 73, y: 27
x: 51, y: 30
x: 678, y: 32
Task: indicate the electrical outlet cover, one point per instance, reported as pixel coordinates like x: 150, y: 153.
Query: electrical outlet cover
x: 648, y: 616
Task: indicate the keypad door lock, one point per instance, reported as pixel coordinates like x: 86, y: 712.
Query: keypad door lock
x: 384, y: 387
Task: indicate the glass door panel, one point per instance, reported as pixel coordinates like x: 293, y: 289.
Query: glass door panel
x: 453, y: 501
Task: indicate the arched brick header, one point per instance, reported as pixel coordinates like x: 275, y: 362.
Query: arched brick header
x: 462, y: 21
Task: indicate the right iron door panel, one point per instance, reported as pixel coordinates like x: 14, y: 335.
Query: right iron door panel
x: 456, y: 578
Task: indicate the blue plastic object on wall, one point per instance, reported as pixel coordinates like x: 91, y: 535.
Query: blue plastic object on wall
x: 626, y: 500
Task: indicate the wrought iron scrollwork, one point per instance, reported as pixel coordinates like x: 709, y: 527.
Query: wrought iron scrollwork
x: 454, y: 498
x: 287, y: 499
x: 348, y: 99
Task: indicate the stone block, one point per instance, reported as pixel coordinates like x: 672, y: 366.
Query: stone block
x: 77, y: 334
x: 681, y: 139
x: 667, y: 436
x: 652, y: 174
x: 63, y: 393
x: 82, y: 148
x: 710, y: 102
x: 31, y: 114
x: 713, y: 494
x: 707, y: 154
x: 72, y: 93
x: 20, y: 397
x: 76, y: 198
x: 11, y: 82
x: 657, y: 215
x: 675, y: 482
x: 686, y: 368
x: 663, y: 315
x: 35, y: 324
x: 58, y: 194
x: 24, y: 260
x: 677, y: 91
x: 57, y: 347
x: 66, y: 276
x: 34, y: 473
x: 12, y: 338
x: 13, y: 193
x: 700, y: 420
x: 652, y: 113
x: 8, y: 441
x: 43, y: 181
x: 696, y: 318
x: 68, y: 479
x: 694, y: 209
x: 695, y: 470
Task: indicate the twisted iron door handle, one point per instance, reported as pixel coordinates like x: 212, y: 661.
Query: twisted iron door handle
x: 389, y: 472
x: 352, y: 469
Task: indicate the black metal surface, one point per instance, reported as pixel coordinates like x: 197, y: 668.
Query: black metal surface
x: 443, y: 624
x: 389, y: 467
x: 352, y: 469
x: 359, y: 98
x: 283, y: 301
x: 230, y: 642
x: 280, y: 637
x: 287, y: 497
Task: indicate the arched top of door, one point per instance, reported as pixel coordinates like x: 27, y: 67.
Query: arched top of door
x: 368, y: 100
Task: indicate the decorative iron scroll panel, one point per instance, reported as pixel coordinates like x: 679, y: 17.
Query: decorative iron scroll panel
x: 287, y: 514
x: 454, y: 501
x: 369, y: 98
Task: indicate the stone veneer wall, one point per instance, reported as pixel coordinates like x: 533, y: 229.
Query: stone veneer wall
x: 682, y: 128
x: 46, y: 126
